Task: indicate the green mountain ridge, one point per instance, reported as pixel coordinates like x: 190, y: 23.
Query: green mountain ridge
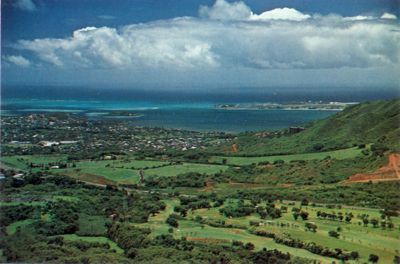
x: 369, y: 122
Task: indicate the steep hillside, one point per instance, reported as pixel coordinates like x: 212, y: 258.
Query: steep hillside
x: 369, y: 122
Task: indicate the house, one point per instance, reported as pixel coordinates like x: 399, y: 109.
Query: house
x: 294, y: 130
x: 18, y: 176
x: 68, y: 142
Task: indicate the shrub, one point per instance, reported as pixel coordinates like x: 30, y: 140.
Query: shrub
x: 172, y: 220
x: 373, y: 258
x: 318, y: 146
x: 334, y: 234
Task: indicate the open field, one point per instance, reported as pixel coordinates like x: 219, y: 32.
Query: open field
x: 22, y: 161
x: 185, y: 168
x: 11, y: 229
x: 111, y: 171
x: 88, y: 172
x: 336, y: 154
x: 353, y: 236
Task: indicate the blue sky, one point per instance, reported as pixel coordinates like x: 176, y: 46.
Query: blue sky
x: 173, y: 44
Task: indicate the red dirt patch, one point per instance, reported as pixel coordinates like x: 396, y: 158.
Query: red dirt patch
x: 237, y: 231
x: 285, y: 185
x: 389, y: 172
x: 234, y: 148
x: 91, y: 178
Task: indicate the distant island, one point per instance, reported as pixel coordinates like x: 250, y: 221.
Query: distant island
x: 335, y: 106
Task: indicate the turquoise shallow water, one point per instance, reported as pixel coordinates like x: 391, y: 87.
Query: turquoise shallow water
x: 201, y: 116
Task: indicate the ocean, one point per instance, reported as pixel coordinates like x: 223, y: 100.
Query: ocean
x: 172, y: 110
x: 198, y: 116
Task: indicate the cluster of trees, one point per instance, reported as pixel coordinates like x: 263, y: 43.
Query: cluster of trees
x: 28, y: 247
x: 333, y: 216
x: 334, y: 234
x: 269, y: 211
x: 129, y: 237
x: 298, y: 212
x: 311, y: 226
x: 193, y: 180
x: 10, y: 214
x: 172, y: 220
x: 317, y: 249
x: 262, y: 233
x: 196, y: 202
x: 64, y: 219
x: 141, y: 248
x: 375, y: 222
x: 239, y: 210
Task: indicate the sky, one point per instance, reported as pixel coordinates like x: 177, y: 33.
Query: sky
x: 204, y: 45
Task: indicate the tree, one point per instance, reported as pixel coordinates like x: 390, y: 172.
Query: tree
x: 304, y: 215
x: 374, y: 222
x: 373, y: 258
x: 365, y: 221
x: 304, y: 202
x: 354, y: 255
x: 318, y: 146
x: 295, y: 215
x: 334, y: 234
x: 311, y: 226
x: 249, y: 246
x: 172, y: 221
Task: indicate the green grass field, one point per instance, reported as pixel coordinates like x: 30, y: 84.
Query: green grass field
x: 365, y: 240
x: 185, y: 168
x: 123, y: 164
x: 12, y: 228
x: 22, y: 162
x: 336, y: 154
x: 118, y: 174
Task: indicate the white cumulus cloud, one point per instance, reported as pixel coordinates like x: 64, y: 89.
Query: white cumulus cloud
x: 229, y: 35
x: 388, y: 16
x: 281, y: 14
x: 17, y: 60
x: 222, y: 10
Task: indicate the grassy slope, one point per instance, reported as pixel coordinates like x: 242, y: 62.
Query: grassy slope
x: 336, y: 154
x: 353, y: 236
x: 185, y: 168
x: 22, y: 162
x: 369, y: 122
x: 129, y: 176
